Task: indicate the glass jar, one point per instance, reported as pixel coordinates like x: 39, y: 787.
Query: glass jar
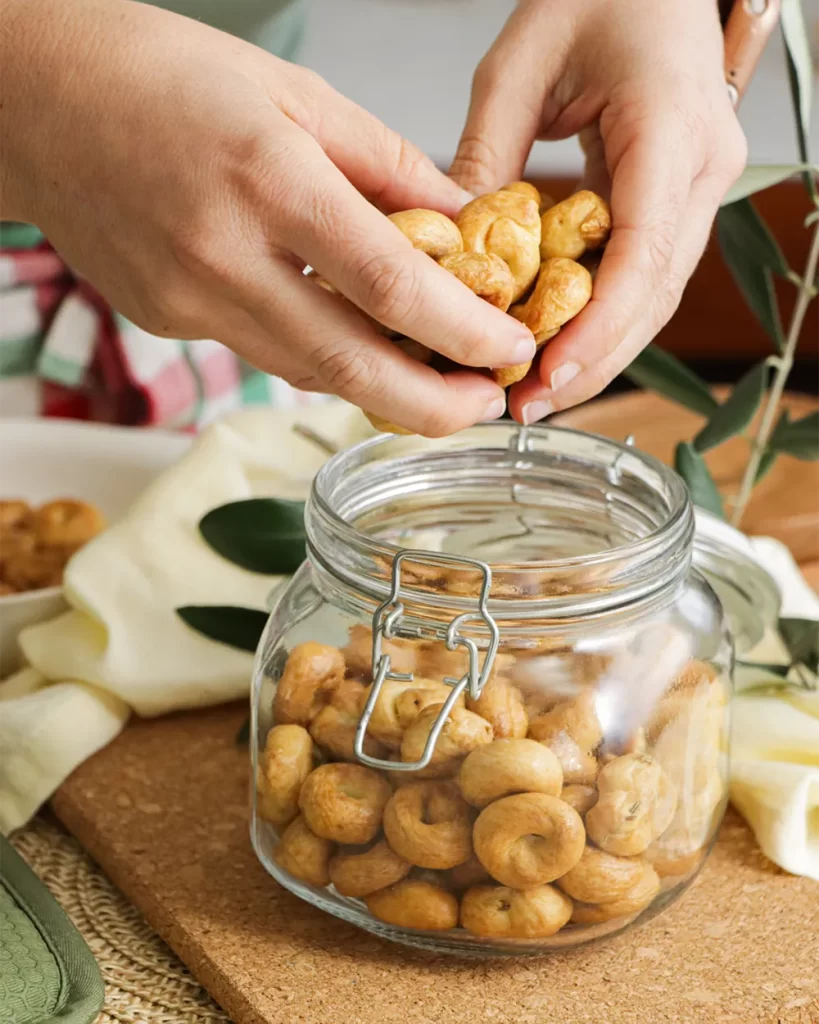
x: 490, y: 709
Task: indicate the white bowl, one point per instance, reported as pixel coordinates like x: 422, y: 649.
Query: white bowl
x: 44, y: 459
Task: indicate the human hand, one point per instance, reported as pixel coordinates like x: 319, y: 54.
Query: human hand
x: 642, y: 82
x: 190, y: 177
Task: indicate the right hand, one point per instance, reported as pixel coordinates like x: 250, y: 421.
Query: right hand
x: 190, y: 177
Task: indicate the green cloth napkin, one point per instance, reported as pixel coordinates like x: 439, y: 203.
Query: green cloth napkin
x: 48, y: 975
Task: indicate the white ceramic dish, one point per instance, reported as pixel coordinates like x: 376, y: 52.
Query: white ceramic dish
x: 43, y: 459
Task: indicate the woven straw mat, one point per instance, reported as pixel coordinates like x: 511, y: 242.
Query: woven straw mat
x: 144, y: 982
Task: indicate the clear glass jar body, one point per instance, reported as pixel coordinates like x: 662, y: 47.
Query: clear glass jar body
x: 577, y: 782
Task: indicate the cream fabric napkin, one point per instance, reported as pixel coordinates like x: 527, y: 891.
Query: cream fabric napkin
x: 122, y: 647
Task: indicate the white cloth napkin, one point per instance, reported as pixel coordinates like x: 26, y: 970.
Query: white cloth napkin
x: 122, y: 647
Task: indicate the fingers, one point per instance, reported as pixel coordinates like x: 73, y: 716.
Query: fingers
x: 370, y: 261
x: 317, y: 342
x: 506, y: 106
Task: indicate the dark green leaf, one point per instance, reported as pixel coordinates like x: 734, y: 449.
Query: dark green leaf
x: 800, y: 438
x: 752, y: 255
x: 800, y: 76
x: 659, y: 371
x: 264, y: 535
x: 736, y: 412
x: 765, y: 465
x: 801, y: 637
x: 692, y: 468
x: 243, y: 735
x: 236, y: 627
x: 776, y: 670
x: 758, y: 178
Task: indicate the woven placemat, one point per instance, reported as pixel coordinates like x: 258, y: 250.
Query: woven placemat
x: 145, y: 983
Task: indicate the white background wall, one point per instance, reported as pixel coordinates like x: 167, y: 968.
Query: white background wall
x: 410, y: 62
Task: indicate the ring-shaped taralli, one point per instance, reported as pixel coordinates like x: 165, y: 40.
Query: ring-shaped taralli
x: 428, y: 824
x: 485, y: 274
x: 462, y: 732
x: 415, y: 904
x: 311, y: 674
x: 34, y: 570
x: 334, y: 727
x: 574, y: 226
x: 508, y: 225
x: 14, y: 514
x: 303, y: 854
x: 287, y: 760
x: 398, y: 705
x: 430, y: 231
x: 582, y: 798
x: 501, y: 704
x: 344, y: 802
x: 358, y: 653
x: 508, y: 766
x: 562, y: 290
x: 358, y: 873
x: 524, y: 188
x: 636, y: 804
x: 497, y: 911
x: 67, y: 523
x: 600, y: 877
x: 528, y: 839
x: 632, y: 902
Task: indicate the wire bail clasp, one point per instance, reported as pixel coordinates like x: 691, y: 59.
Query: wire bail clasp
x: 387, y: 626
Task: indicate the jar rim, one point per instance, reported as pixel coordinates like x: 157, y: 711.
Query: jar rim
x: 369, y: 476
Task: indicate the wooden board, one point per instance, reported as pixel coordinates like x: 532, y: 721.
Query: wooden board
x: 163, y: 810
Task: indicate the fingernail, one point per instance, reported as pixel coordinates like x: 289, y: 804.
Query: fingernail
x: 534, y: 411
x: 563, y: 374
x: 495, y: 409
x: 523, y: 352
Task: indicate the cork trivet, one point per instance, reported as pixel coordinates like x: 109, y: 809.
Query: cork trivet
x: 163, y: 811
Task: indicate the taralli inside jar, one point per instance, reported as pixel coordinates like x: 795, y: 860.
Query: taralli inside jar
x: 514, y: 750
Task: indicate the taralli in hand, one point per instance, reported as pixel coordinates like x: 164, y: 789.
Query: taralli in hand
x: 428, y: 824
x: 463, y: 731
x: 286, y: 762
x: 359, y: 873
x: 303, y: 854
x: 524, y: 188
x: 485, y: 274
x: 508, y: 225
x: 415, y: 904
x: 501, y: 704
x: 528, y: 839
x: 67, y: 523
x: 429, y: 231
x: 636, y: 805
x: 497, y: 911
x: 344, y: 802
x: 582, y: 798
x: 600, y: 877
x: 509, y: 766
x: 563, y: 289
x: 574, y: 226
x: 632, y: 902
x: 311, y: 674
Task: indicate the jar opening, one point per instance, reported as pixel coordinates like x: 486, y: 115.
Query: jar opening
x: 566, y: 520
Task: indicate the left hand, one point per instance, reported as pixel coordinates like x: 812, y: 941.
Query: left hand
x: 642, y: 83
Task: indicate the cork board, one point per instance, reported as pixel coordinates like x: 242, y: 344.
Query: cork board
x: 163, y: 810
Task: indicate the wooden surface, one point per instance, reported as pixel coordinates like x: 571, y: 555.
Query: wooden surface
x: 163, y: 810
x: 785, y: 503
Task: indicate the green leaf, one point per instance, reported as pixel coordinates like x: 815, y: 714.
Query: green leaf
x: 758, y: 178
x: 800, y: 67
x: 237, y: 627
x: 801, y: 637
x: 264, y: 535
x: 800, y: 438
x: 765, y: 465
x: 692, y: 468
x: 736, y: 412
x: 776, y: 670
x: 752, y: 254
x: 657, y: 370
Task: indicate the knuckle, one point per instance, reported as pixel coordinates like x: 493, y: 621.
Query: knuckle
x: 437, y: 422
x: 731, y: 153
x: 474, y: 160
x: 660, y: 246
x: 388, y: 287
x: 348, y: 371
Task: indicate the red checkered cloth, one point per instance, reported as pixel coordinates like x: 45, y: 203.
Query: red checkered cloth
x: 89, y: 362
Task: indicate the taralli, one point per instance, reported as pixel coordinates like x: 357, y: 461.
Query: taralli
x: 497, y: 911
x: 562, y: 290
x: 599, y: 877
x: 429, y: 231
x: 464, y: 876
x: 399, y: 704
x: 463, y: 731
x: 286, y: 762
x: 636, y: 899
x: 415, y: 904
x: 508, y: 225
x: 501, y: 704
x: 303, y: 854
x: 509, y: 766
x: 428, y: 824
x: 14, y: 514
x: 571, y: 730
x: 668, y: 863
x: 34, y: 570
x: 531, y: 192
x: 485, y: 274
x: 311, y: 674
x: 359, y: 873
x: 17, y: 544
x: 574, y: 226
x: 334, y: 727
x: 344, y: 802
x: 67, y: 523
x: 582, y: 798
x: 528, y: 839
x: 358, y: 654
x: 636, y: 804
